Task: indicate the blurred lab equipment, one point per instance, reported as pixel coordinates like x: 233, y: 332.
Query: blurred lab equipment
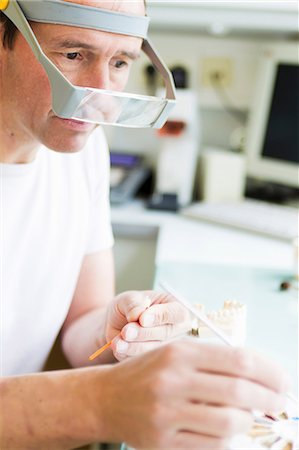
x: 179, y: 142
x: 128, y: 176
x: 255, y: 216
x: 222, y: 175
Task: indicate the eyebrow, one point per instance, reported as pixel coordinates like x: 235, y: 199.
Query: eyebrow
x: 78, y: 44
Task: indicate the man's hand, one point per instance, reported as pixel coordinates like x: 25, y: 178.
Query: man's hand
x: 189, y: 395
x: 138, y: 321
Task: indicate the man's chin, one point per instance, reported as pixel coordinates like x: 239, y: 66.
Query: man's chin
x: 68, y: 136
x: 68, y: 145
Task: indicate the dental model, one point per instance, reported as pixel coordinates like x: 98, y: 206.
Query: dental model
x: 271, y: 432
x: 231, y: 319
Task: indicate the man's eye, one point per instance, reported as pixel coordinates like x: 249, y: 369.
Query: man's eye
x: 72, y: 55
x: 119, y: 64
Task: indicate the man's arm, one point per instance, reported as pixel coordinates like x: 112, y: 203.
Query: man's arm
x: 84, y: 328
x: 53, y: 410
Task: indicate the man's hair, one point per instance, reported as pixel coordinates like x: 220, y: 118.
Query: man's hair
x: 9, y: 31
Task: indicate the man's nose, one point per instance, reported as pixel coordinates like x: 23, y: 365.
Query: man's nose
x: 96, y: 77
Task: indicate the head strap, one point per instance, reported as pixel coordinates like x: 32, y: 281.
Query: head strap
x: 77, y: 15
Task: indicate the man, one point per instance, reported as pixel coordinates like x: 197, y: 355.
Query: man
x: 57, y: 273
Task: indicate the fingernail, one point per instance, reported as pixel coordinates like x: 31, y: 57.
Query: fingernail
x: 148, y: 320
x: 131, y: 333
x: 121, y: 346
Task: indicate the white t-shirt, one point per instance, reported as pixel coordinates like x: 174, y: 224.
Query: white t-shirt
x: 54, y: 211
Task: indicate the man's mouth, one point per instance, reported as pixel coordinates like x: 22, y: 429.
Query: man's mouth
x: 76, y: 124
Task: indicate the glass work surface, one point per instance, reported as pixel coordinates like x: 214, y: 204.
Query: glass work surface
x: 272, y: 314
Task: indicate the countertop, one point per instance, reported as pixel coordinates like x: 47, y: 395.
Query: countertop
x: 183, y: 239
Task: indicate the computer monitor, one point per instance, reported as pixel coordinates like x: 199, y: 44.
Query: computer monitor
x: 272, y: 143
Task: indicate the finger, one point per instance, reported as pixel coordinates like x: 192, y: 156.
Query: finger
x: 164, y: 314
x: 235, y: 392
x: 219, y: 422
x: 235, y: 361
x: 134, y: 332
x: 123, y: 349
x: 132, y: 304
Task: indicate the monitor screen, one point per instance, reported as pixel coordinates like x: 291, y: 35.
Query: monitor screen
x: 282, y: 130
x: 272, y: 141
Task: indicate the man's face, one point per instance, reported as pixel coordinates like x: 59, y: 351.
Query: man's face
x: 86, y: 57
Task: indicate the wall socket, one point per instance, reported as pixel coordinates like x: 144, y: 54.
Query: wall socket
x: 216, y: 71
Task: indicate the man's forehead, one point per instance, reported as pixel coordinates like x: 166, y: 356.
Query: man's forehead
x: 59, y: 37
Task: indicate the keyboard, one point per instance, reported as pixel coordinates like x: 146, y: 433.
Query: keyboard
x: 273, y: 220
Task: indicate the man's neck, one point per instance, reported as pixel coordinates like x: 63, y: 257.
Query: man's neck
x: 14, y: 150
x: 17, y: 156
